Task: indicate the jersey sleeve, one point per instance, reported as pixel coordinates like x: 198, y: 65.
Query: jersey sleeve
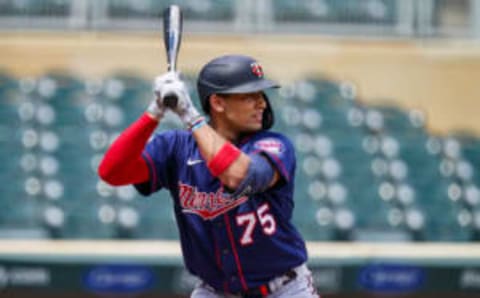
x: 160, y: 154
x: 280, y: 152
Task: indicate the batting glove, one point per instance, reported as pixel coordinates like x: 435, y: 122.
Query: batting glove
x: 171, y: 84
x: 157, y: 108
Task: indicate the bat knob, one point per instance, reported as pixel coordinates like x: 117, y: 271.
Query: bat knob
x: 170, y: 100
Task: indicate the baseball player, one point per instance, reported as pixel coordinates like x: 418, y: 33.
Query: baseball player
x: 230, y: 177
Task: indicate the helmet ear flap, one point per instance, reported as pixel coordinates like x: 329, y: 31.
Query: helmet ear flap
x: 206, y: 105
x: 268, y: 119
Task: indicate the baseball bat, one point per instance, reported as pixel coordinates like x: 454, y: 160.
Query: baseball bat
x: 172, y: 37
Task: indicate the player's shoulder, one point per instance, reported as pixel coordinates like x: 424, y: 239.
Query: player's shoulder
x: 271, y: 141
x: 273, y: 133
x: 173, y: 133
x: 173, y: 136
x: 268, y: 134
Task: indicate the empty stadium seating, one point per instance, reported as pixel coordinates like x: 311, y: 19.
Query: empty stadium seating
x: 374, y: 11
x: 193, y: 10
x: 364, y: 172
x: 35, y: 8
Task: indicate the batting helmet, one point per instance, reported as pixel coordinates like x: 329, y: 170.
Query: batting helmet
x: 234, y: 74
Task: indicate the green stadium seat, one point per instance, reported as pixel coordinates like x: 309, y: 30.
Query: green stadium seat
x: 381, y: 221
x: 419, y: 155
x: 442, y: 218
x: 302, y: 178
x: 470, y: 144
x: 65, y: 94
x: 18, y: 210
x: 287, y: 118
x: 75, y: 154
x: 157, y: 219
x: 361, y: 12
x: 335, y: 11
x: 211, y: 9
x: 331, y: 101
x: 10, y: 152
x: 10, y: 98
x: 315, y: 221
x: 348, y: 150
x: 417, y: 152
x: 448, y: 223
x: 88, y: 220
x: 401, y: 121
x: 192, y: 10
x: 35, y: 8
x: 86, y: 140
x: 128, y: 89
x: 285, y: 10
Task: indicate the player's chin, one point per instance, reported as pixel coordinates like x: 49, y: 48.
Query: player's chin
x: 255, y: 127
x: 253, y: 124
x: 251, y: 127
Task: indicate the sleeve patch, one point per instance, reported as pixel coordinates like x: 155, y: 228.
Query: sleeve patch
x: 270, y: 145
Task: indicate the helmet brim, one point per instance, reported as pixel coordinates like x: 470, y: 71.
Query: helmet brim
x: 250, y: 87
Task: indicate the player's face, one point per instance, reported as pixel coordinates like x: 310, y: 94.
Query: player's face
x: 244, y: 112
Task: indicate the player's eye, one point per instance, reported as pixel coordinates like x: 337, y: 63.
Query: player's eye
x: 253, y: 96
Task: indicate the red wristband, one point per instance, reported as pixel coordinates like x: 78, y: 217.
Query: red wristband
x: 223, y: 159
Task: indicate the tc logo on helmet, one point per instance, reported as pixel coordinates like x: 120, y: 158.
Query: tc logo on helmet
x: 257, y: 69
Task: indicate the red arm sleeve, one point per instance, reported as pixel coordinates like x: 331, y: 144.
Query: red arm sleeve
x: 123, y: 163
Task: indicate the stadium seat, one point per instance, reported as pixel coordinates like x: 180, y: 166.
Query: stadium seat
x: 10, y: 98
x: 470, y: 144
x: 401, y: 121
x: 381, y: 222
x: 288, y: 11
x: 332, y: 100
x: 193, y: 10
x: 35, y: 8
x: 335, y: 11
x: 127, y: 89
x: 65, y: 94
x: 10, y: 151
x: 76, y: 149
x: 157, y: 219
x: 88, y: 220
x: 455, y: 224
x: 348, y: 149
x: 382, y: 11
x: 418, y: 152
x: 315, y: 221
x: 19, y: 211
x: 209, y: 9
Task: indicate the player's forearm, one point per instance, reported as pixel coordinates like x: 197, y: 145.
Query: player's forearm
x: 210, y: 143
x: 122, y: 163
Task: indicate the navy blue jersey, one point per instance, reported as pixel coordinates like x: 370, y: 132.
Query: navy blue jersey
x: 230, y: 244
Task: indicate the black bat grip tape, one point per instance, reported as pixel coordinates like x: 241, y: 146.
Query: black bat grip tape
x: 170, y: 100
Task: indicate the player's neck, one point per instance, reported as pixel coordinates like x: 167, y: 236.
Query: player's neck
x: 225, y: 132
x: 223, y: 129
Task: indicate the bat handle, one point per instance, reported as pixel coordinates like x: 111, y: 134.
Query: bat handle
x: 170, y: 100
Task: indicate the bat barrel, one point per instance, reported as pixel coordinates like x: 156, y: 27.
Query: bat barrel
x: 172, y: 37
x: 172, y: 26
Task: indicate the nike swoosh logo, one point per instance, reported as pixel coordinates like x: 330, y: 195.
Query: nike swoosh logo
x: 191, y: 162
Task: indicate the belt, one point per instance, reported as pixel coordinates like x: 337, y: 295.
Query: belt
x: 274, y: 284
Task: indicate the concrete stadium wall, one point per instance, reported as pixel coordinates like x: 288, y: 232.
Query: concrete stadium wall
x: 438, y: 77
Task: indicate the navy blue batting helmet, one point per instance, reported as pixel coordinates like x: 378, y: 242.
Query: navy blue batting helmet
x: 234, y: 74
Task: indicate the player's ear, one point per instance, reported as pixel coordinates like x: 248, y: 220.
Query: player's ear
x: 217, y: 103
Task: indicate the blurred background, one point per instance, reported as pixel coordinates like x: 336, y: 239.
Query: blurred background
x: 378, y: 96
